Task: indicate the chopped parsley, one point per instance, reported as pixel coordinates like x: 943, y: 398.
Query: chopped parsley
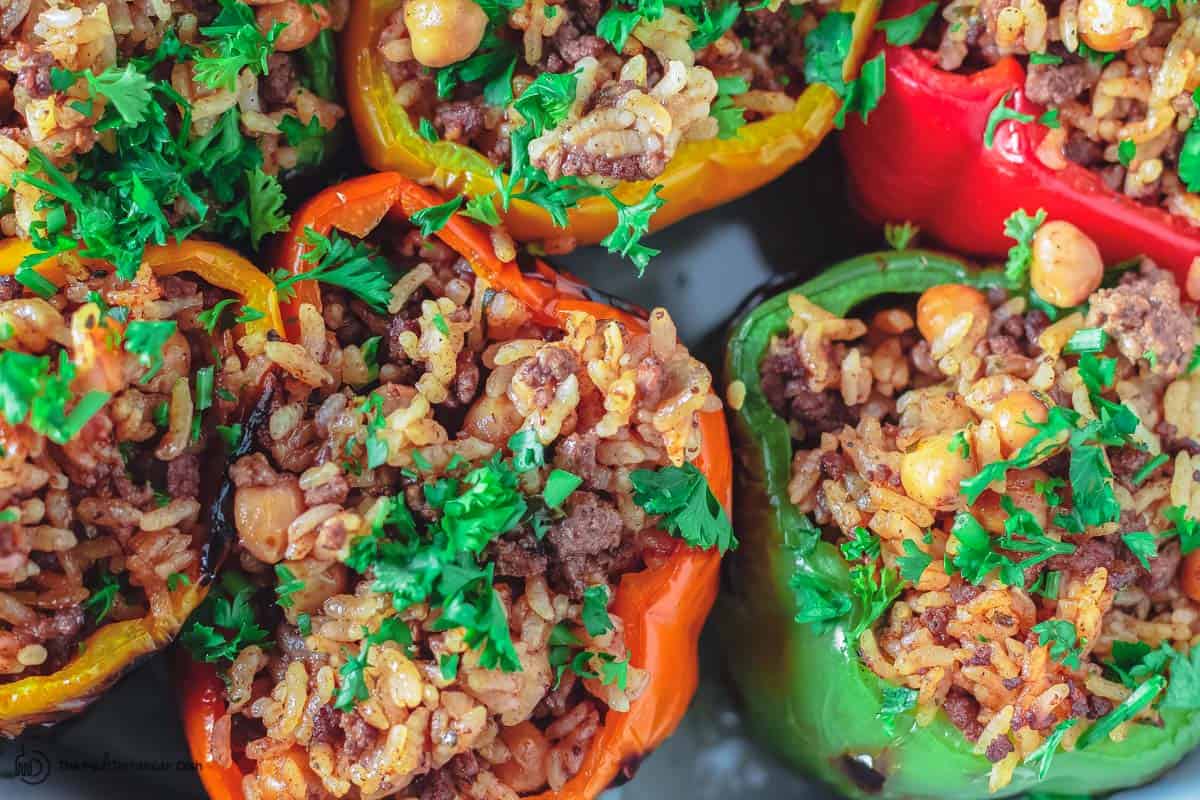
x: 905, y: 30
x: 900, y: 235
x: 1142, y: 544
x: 177, y: 579
x: 730, y: 117
x: 817, y: 603
x: 225, y: 623
x: 527, y: 451
x: 633, y: 222
x: 1184, y: 689
x: 896, y: 701
x: 1022, y: 227
x: 688, y: 507
x: 826, y: 48
x: 1189, y: 153
x: 209, y: 318
x: 595, y: 610
x: 1126, y: 151
x: 1065, y: 645
x: 559, y: 486
x: 913, y: 563
x: 101, y: 599
x: 156, y: 179
x: 862, y: 545
x: 353, y: 266
x: 288, y: 585
x: 146, y: 339
x: 33, y: 395
x: 1002, y: 113
x: 432, y: 219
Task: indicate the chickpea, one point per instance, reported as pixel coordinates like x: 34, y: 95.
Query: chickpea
x: 302, y: 23
x: 262, y: 515
x: 1009, y: 414
x: 1021, y: 488
x: 444, y: 31
x: 932, y: 471
x: 941, y: 304
x: 493, y: 419
x: 1112, y: 25
x: 1189, y: 575
x: 526, y: 771
x: 1066, y: 266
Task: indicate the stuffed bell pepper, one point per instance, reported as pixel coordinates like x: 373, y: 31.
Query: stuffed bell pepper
x: 1082, y: 108
x: 970, y: 561
x: 478, y: 534
x: 131, y: 124
x: 114, y: 395
x: 572, y: 120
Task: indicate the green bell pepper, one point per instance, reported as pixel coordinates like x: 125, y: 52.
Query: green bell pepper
x: 805, y: 694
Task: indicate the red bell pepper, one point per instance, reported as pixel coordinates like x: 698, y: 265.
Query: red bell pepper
x: 921, y: 157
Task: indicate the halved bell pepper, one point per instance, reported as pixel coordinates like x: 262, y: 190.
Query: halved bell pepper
x: 921, y: 157
x: 700, y: 176
x: 664, y: 608
x: 118, y: 647
x: 807, y: 696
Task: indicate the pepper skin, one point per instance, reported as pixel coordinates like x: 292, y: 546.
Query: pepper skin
x: 702, y: 174
x: 118, y: 647
x: 922, y: 158
x: 807, y: 696
x: 664, y: 608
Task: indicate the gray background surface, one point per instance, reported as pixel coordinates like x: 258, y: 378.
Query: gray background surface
x: 710, y: 264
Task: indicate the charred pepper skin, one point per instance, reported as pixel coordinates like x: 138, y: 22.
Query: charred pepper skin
x: 118, y: 647
x: 701, y: 176
x: 664, y: 608
x: 807, y: 696
x: 922, y: 158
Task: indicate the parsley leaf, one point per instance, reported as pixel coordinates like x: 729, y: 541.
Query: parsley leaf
x: 101, y: 599
x: 1022, y: 227
x: 730, y: 118
x: 864, y: 544
x: 288, y: 585
x: 433, y: 219
x: 896, y: 701
x: 900, y: 235
x: 1002, y: 113
x: 874, y: 594
x: 227, y: 608
x: 633, y: 222
x: 1189, y: 153
x: 817, y: 603
x: 1142, y: 544
x: 903, y: 31
x: 265, y: 206
x: 31, y: 394
x: 1183, y: 692
x: 913, y: 563
x: 146, y: 339
x: 235, y: 43
x: 595, y: 610
x: 354, y: 266
x: 1062, y: 638
x: 688, y: 507
x: 559, y: 486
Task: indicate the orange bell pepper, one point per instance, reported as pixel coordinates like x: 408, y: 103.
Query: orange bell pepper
x: 664, y: 608
x: 700, y: 176
x: 117, y: 647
